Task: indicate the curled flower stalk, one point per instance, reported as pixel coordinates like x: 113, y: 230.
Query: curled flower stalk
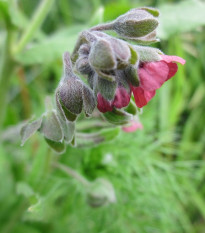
x: 119, y: 79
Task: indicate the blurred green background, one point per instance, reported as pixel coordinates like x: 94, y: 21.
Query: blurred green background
x: 158, y: 173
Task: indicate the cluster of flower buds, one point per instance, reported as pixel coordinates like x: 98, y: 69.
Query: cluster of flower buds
x: 120, y: 77
x: 115, y: 69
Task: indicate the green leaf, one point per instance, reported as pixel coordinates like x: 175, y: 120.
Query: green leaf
x: 29, y: 129
x: 182, y: 17
x: 24, y: 189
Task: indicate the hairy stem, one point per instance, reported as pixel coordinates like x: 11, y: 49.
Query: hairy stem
x: 103, y: 27
x: 72, y: 173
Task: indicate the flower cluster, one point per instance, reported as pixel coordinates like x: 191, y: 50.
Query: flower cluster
x: 116, y: 69
x: 120, y: 78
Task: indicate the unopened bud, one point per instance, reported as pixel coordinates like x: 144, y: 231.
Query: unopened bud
x: 101, y: 56
x: 69, y: 92
x: 51, y: 127
x: 120, y: 48
x: 135, y: 23
x: 88, y: 101
x: 84, y: 49
x: 100, y: 193
x: 122, y: 51
x: 82, y: 65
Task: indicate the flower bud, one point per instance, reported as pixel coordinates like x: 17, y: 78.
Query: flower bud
x: 69, y: 92
x: 83, y: 66
x: 51, y: 127
x: 100, y: 193
x: 135, y: 23
x: 120, y: 48
x: 84, y: 49
x: 123, y: 52
x: 67, y: 126
x: 101, y: 56
x: 82, y: 63
x: 88, y: 100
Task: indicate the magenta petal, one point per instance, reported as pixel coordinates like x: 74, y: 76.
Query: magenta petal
x: 133, y: 127
x: 153, y: 74
x: 172, y: 69
x: 103, y: 104
x: 169, y: 59
x: 141, y: 96
x: 122, y: 98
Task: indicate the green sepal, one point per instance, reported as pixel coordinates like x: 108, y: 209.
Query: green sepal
x: 118, y: 117
x: 51, y: 127
x: 134, y: 55
x: 58, y: 147
x: 29, y: 129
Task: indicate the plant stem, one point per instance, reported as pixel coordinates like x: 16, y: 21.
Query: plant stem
x: 35, y: 23
x: 72, y: 173
x: 6, y: 70
x: 7, y: 65
x: 103, y: 27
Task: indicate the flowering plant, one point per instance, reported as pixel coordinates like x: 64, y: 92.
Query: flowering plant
x: 106, y: 77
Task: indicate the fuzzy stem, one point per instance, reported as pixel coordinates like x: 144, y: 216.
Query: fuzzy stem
x: 72, y: 173
x: 35, y: 23
x: 103, y: 27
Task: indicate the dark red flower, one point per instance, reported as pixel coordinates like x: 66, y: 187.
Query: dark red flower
x: 121, y: 99
x: 152, y: 75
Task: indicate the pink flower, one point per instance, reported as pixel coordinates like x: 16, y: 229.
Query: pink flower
x: 135, y: 125
x: 121, y: 99
x: 152, y: 75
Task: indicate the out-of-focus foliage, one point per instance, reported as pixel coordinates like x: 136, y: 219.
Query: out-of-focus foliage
x: 158, y: 173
